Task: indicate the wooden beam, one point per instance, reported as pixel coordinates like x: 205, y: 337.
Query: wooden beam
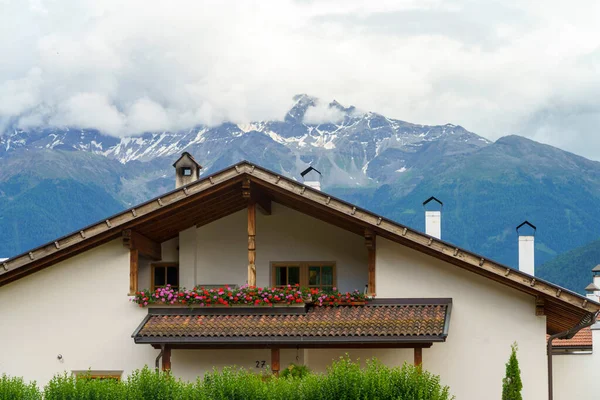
x: 370, y: 242
x: 275, y: 365
x: 133, y: 271
x: 418, y: 356
x: 166, y: 359
x: 146, y: 247
x: 262, y: 201
x: 539, y: 306
x: 251, y: 244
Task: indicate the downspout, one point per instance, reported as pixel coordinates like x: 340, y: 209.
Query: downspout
x: 162, y: 349
x: 588, y: 320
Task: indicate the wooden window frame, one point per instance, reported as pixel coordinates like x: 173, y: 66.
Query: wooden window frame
x: 163, y: 264
x: 97, y: 374
x: 303, y: 265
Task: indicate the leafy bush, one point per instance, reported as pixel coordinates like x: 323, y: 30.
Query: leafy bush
x: 15, y: 388
x: 344, y: 380
x: 295, y: 371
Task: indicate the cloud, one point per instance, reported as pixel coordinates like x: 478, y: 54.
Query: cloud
x: 322, y: 113
x: 495, y: 67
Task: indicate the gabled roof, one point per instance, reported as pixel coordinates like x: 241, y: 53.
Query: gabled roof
x: 220, y: 194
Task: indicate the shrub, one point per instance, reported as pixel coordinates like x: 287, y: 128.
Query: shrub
x: 344, y: 380
x: 511, y: 384
x: 295, y: 371
x: 15, y: 388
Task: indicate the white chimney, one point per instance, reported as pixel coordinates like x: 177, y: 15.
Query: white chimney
x: 596, y: 280
x: 312, y: 178
x: 433, y: 218
x: 527, y: 249
x: 187, y: 170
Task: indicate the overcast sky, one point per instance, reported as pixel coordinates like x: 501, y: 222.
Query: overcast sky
x: 495, y: 67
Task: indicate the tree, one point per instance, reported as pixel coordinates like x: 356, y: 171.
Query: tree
x: 511, y: 384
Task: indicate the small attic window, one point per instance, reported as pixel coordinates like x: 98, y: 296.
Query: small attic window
x: 186, y: 171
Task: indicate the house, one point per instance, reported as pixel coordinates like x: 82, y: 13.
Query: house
x: 66, y: 305
x: 577, y: 360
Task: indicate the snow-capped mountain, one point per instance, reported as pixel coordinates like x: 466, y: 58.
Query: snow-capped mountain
x: 347, y: 149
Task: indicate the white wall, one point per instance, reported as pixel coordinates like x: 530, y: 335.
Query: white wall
x: 78, y: 308
x: 286, y: 235
x: 486, y: 319
x: 576, y: 375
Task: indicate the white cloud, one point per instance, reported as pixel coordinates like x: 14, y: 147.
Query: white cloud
x: 495, y: 67
x: 322, y: 113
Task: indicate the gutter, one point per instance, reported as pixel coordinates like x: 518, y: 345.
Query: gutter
x: 588, y: 320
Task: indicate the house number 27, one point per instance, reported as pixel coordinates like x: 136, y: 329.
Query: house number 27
x: 261, y: 364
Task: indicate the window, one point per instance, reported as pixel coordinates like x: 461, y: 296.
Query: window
x: 165, y: 274
x: 99, y: 375
x: 312, y: 274
x: 186, y: 171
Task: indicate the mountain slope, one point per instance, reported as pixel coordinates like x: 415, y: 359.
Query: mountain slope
x: 573, y: 268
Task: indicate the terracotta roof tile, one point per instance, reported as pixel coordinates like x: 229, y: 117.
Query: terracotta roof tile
x: 388, y: 320
x: 583, y: 338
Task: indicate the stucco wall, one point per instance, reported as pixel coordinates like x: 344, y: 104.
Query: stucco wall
x: 576, y: 376
x: 286, y: 235
x: 78, y: 308
x: 486, y: 319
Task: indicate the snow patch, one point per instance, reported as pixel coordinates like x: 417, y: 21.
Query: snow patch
x: 401, y: 169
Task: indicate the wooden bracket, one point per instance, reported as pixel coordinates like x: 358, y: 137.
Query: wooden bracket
x: 146, y: 247
x: 539, y: 306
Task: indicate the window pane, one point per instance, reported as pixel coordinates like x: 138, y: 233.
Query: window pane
x: 159, y: 276
x: 327, y: 276
x: 293, y: 275
x: 280, y: 276
x: 173, y: 276
x: 314, y: 276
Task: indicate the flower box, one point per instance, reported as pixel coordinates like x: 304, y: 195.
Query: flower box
x: 244, y: 296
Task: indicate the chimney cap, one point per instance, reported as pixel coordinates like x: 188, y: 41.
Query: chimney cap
x: 433, y: 198
x: 529, y: 224
x: 591, y: 288
x: 186, y: 154
x: 307, y: 170
x: 596, y: 268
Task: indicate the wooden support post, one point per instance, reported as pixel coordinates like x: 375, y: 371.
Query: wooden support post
x: 418, y: 356
x: 251, y: 244
x: 166, y: 358
x: 275, y: 366
x: 133, y: 271
x: 370, y: 242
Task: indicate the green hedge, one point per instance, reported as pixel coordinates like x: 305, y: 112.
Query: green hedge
x: 345, y: 380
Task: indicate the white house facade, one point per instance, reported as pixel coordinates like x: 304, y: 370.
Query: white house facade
x: 66, y: 305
